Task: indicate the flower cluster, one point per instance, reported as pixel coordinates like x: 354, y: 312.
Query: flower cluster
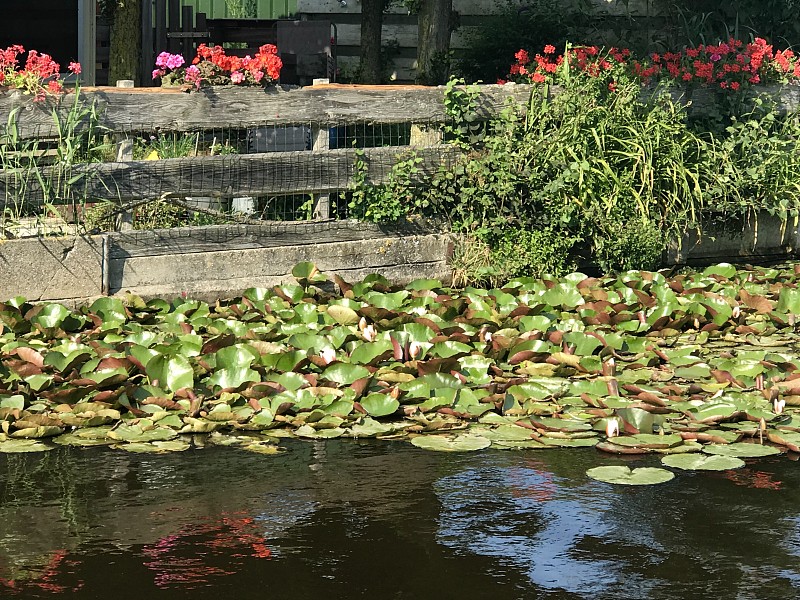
x: 729, y: 65
x: 213, y: 67
x: 38, y: 77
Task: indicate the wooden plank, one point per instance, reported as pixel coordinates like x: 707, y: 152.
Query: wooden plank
x: 87, y: 40
x: 161, y: 26
x: 174, y: 24
x: 275, y: 173
x: 148, y: 51
x: 241, y: 107
x: 189, y: 240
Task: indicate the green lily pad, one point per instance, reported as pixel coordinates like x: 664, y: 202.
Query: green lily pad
x: 23, y: 445
x: 460, y: 443
x: 155, y: 447
x: 741, y: 450
x: 344, y: 373
x: 621, y: 475
x: 380, y: 405
x: 263, y: 448
x: 701, y: 462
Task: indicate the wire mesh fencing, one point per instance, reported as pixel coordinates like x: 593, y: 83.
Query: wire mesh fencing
x: 145, y: 177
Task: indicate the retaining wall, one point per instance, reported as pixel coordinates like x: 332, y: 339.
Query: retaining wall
x: 213, y: 262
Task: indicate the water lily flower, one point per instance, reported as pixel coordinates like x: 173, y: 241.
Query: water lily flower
x: 778, y: 406
x: 486, y: 336
x: 362, y: 324
x: 612, y: 428
x: 414, y: 350
x: 328, y: 355
x: 736, y: 312
x: 369, y: 333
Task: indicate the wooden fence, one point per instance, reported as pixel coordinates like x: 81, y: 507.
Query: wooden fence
x: 317, y: 168
x: 304, y: 162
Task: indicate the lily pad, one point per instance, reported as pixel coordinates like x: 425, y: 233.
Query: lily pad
x: 702, y: 462
x: 741, y: 450
x: 24, y: 445
x: 621, y: 475
x: 443, y: 443
x: 155, y: 447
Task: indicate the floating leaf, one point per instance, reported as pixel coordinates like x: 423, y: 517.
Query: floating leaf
x: 702, y: 462
x: 380, y: 405
x: 621, y: 475
x: 19, y: 446
x: 155, y: 447
x: 741, y: 450
x: 344, y: 373
x: 442, y: 443
x: 343, y: 314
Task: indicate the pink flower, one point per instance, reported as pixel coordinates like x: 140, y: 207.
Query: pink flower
x: 175, y: 61
x: 192, y: 74
x: 237, y: 77
x: 157, y: 73
x: 549, y: 49
x: 75, y: 67
x: 161, y: 59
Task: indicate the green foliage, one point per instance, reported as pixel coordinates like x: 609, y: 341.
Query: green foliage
x: 388, y: 202
x: 80, y: 139
x: 531, y: 253
x: 460, y: 104
x: 705, y: 21
x: 169, y: 145
x: 758, y: 166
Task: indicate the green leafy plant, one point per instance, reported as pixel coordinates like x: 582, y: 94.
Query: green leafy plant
x: 46, y: 171
x: 387, y: 202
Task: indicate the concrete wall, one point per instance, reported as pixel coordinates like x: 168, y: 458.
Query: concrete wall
x: 213, y: 262
x: 761, y: 238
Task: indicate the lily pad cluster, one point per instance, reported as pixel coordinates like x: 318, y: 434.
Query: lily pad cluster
x: 703, y: 364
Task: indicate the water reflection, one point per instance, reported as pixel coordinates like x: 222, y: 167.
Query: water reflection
x: 347, y: 519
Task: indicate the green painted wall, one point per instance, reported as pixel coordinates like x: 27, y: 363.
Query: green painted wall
x: 265, y: 9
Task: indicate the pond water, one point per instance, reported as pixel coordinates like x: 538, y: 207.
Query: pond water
x: 378, y: 519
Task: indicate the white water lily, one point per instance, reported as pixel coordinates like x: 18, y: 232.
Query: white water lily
x: 736, y: 312
x: 612, y: 428
x: 328, y: 355
x: 369, y: 333
x: 362, y: 324
x: 418, y: 310
x: 414, y: 350
x: 487, y: 336
x: 778, y: 406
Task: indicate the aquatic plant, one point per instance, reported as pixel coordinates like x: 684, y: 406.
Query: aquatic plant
x: 636, y: 364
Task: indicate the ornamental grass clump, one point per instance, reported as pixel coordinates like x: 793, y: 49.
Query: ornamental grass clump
x: 212, y: 66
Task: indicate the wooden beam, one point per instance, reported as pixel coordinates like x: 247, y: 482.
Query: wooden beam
x: 231, y: 107
x: 87, y: 45
x: 274, y: 173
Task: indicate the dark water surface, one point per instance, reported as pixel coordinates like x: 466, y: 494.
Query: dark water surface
x: 345, y: 519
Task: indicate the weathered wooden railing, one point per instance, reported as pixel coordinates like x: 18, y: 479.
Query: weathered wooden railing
x: 317, y: 110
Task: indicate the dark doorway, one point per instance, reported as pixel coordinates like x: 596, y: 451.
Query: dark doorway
x: 49, y: 26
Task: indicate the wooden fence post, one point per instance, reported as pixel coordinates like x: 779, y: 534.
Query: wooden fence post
x: 320, y: 142
x: 124, y: 147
